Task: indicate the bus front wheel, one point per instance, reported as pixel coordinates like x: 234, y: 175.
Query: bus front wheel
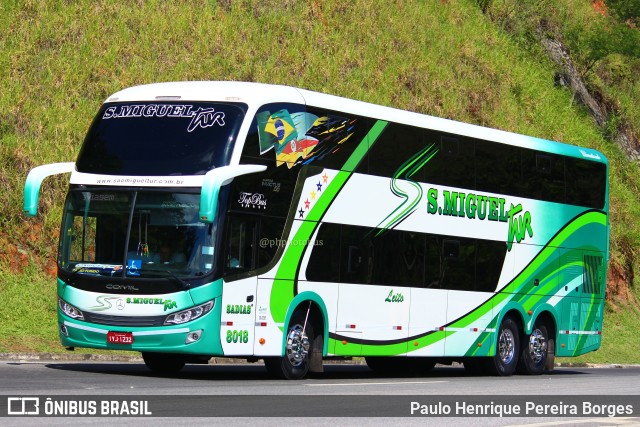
x: 164, y: 363
x: 505, y: 361
x: 294, y: 365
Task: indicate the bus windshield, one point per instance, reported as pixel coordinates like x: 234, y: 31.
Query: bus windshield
x: 135, y: 234
x: 160, y: 139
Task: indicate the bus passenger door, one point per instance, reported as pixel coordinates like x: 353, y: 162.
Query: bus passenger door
x: 240, y: 284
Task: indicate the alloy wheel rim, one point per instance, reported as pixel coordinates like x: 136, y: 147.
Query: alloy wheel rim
x: 506, y: 346
x: 297, y: 348
x: 537, y: 346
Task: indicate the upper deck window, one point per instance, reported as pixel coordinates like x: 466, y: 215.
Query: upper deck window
x: 160, y: 138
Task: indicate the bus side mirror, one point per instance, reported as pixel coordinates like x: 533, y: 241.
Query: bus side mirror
x: 34, y: 181
x: 213, y: 181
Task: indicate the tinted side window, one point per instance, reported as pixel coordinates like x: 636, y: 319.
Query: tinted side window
x: 291, y: 135
x: 239, y: 255
x: 356, y: 255
x: 336, y: 135
x: 586, y: 183
x: 250, y: 242
x: 398, y: 259
x: 543, y: 176
x: 454, y: 163
x: 459, y: 259
x: 399, y: 151
x: 271, y: 133
x: 324, y: 262
x: 351, y: 254
x: 498, y: 168
x: 489, y: 262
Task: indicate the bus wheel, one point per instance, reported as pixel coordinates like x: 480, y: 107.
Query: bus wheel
x: 535, y: 350
x: 164, y: 363
x: 294, y: 365
x: 505, y: 361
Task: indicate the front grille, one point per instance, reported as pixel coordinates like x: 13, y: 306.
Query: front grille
x: 104, y: 319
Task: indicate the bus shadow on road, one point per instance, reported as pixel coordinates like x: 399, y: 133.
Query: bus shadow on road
x: 244, y: 372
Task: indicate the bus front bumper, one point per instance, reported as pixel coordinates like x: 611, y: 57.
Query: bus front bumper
x: 198, y: 337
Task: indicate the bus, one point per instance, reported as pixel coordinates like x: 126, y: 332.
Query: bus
x: 257, y: 221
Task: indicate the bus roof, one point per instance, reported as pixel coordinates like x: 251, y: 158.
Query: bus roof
x: 258, y: 94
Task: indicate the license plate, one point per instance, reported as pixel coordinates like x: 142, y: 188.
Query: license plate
x: 120, y: 337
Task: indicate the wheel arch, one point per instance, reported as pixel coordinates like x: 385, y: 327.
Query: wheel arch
x: 318, y: 308
x: 544, y: 312
x: 548, y: 317
x: 515, y: 313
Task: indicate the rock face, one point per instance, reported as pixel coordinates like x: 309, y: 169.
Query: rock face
x: 620, y: 276
x: 600, y: 109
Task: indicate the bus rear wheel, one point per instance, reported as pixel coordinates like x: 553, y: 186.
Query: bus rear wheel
x: 294, y: 365
x: 505, y: 361
x: 535, y: 350
x: 164, y: 363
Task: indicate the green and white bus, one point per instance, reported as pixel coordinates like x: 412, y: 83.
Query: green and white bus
x: 267, y: 222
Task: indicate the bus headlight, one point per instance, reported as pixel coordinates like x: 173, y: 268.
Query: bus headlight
x: 70, y: 310
x: 188, y: 315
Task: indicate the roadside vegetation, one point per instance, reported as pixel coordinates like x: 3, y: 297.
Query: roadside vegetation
x: 473, y: 61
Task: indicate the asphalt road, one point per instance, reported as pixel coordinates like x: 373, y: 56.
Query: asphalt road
x: 237, y: 391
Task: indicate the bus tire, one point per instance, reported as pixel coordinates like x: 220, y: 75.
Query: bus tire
x: 505, y: 361
x: 294, y: 365
x: 164, y: 363
x: 535, y: 350
x: 551, y: 354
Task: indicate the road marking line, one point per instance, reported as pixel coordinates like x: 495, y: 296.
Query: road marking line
x: 387, y: 383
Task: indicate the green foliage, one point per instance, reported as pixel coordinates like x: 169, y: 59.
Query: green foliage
x: 59, y: 60
x: 625, y: 10
x: 600, y: 41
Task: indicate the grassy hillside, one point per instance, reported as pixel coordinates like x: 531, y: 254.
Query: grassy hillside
x: 59, y: 60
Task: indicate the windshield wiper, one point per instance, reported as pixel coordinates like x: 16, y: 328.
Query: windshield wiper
x: 181, y: 283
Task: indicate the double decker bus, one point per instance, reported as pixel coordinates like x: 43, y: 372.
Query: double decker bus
x: 268, y: 222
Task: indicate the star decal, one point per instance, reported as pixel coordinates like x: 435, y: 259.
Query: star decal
x: 301, y: 212
x: 313, y: 195
x: 306, y: 204
x: 325, y: 177
x: 319, y: 186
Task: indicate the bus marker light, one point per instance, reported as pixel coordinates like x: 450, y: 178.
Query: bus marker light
x: 344, y: 343
x: 193, y: 336
x: 262, y: 341
x: 479, y: 344
x: 397, y: 328
x: 416, y: 343
x: 229, y: 323
x: 530, y: 312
